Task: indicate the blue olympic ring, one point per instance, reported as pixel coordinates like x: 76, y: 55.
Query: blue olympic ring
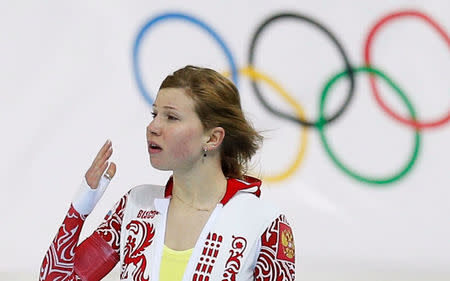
x: 180, y: 16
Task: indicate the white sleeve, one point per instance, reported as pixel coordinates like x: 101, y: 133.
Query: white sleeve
x: 86, y: 198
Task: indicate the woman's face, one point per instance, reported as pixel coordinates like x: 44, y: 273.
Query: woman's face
x: 175, y: 135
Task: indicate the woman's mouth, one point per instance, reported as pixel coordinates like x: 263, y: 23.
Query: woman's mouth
x: 154, y: 148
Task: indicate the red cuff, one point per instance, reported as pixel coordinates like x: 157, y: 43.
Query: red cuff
x: 94, y: 258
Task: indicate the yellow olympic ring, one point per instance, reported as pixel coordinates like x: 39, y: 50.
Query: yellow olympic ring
x: 256, y: 75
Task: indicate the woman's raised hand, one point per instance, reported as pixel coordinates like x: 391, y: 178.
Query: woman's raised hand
x: 100, y: 165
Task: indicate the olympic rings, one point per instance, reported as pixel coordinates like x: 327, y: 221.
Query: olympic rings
x: 349, y: 172
x: 348, y: 67
x: 367, y: 49
x: 323, y: 120
x: 254, y: 75
x: 179, y: 16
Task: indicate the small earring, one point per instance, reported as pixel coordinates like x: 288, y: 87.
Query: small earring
x: 204, y: 152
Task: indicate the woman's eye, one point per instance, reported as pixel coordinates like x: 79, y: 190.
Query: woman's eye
x: 171, y: 117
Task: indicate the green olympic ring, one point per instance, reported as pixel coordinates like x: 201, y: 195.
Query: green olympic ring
x: 322, y: 122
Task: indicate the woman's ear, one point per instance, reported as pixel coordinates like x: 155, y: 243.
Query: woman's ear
x: 216, y: 136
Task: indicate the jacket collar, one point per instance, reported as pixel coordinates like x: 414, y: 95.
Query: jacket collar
x: 249, y: 184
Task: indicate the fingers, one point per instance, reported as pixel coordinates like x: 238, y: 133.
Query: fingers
x: 109, y: 174
x: 104, y: 153
x: 99, y: 166
x: 111, y: 170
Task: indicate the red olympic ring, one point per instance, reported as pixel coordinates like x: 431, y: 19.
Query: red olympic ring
x: 367, y: 49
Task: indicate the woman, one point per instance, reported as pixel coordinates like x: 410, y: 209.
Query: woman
x: 206, y: 223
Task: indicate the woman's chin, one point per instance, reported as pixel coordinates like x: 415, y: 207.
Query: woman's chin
x: 159, y: 166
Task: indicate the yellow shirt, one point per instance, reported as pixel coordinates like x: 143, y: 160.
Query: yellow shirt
x: 173, y: 264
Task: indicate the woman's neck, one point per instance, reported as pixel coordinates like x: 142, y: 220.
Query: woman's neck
x: 201, y: 189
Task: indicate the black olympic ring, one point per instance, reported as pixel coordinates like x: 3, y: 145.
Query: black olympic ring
x: 348, y: 69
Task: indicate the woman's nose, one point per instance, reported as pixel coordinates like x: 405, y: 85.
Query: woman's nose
x: 153, y: 128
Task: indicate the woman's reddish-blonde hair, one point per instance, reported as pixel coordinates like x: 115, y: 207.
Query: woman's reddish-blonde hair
x: 218, y: 104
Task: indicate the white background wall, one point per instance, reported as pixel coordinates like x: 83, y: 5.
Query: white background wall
x: 67, y: 85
